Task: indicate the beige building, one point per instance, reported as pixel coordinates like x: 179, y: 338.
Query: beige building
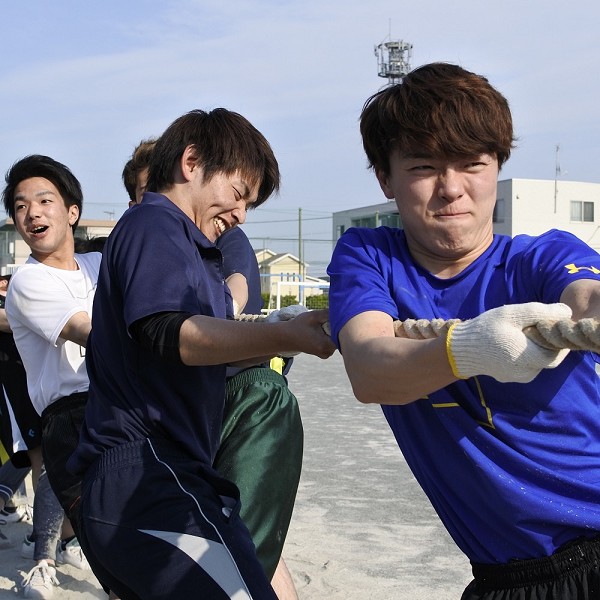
x: 531, y: 206
x: 285, y: 275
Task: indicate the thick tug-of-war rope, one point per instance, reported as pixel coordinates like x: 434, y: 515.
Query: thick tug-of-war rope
x: 243, y: 317
x: 554, y: 335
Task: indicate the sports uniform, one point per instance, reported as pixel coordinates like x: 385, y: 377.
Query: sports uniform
x: 511, y: 469
x: 262, y: 439
x: 157, y: 519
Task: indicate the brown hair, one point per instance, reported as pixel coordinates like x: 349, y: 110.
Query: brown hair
x: 224, y: 142
x: 140, y: 160
x: 437, y: 110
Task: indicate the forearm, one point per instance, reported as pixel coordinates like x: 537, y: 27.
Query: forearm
x: 209, y: 341
x: 387, y: 370
x: 77, y: 329
x: 583, y: 297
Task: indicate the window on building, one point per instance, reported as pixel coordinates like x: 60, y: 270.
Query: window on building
x: 388, y: 219
x: 367, y: 221
x: 391, y: 220
x: 498, y: 216
x: 582, y: 211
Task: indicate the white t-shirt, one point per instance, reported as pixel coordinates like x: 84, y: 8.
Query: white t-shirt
x: 39, y: 303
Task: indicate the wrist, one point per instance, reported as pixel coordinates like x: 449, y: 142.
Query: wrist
x: 450, y: 336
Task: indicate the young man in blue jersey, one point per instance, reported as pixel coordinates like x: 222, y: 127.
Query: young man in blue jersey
x: 262, y: 438
x: 502, y: 434
x: 157, y: 519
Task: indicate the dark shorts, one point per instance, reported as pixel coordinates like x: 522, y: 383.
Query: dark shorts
x: 261, y: 452
x: 61, y: 424
x: 158, y: 524
x: 571, y: 573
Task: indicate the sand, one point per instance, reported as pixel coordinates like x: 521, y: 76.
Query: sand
x: 362, y: 528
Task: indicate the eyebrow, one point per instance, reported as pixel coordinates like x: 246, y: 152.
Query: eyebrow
x: 37, y: 194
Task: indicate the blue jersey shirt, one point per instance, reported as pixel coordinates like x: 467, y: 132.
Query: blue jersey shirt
x: 513, y: 470
x: 155, y: 260
x: 239, y: 257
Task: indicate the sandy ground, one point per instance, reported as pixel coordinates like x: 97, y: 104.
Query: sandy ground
x: 362, y: 528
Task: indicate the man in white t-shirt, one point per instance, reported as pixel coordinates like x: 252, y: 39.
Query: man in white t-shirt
x: 48, y: 305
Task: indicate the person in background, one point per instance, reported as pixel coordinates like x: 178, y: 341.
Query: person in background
x: 22, y: 434
x: 48, y: 306
x: 501, y: 433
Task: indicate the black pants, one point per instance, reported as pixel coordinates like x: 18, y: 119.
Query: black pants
x: 158, y: 524
x: 61, y: 424
x: 571, y: 573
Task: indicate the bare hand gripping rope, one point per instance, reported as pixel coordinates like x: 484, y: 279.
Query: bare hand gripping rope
x: 554, y: 335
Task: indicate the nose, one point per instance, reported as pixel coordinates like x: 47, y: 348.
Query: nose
x: 32, y: 211
x: 450, y: 185
x: 239, y: 214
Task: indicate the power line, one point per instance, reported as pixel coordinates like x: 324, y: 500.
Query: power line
x: 288, y: 239
x: 287, y: 220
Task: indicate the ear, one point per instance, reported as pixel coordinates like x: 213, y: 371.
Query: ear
x: 189, y: 163
x: 73, y: 214
x: 384, y: 184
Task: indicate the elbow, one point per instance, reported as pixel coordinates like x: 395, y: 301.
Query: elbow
x: 366, y: 394
x: 370, y: 393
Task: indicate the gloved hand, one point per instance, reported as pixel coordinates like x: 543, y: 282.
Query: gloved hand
x: 285, y: 314
x: 494, y: 343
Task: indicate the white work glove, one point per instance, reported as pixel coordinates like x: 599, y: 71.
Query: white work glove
x: 494, y: 343
x: 285, y: 314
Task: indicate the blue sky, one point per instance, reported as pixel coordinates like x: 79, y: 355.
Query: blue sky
x: 84, y: 81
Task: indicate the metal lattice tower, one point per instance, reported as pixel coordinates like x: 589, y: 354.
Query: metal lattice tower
x: 393, y: 60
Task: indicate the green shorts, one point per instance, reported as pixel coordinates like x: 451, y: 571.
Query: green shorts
x: 261, y: 452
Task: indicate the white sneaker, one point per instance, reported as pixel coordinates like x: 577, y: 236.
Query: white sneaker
x: 72, y: 555
x: 27, y: 547
x: 21, y: 512
x: 40, y: 581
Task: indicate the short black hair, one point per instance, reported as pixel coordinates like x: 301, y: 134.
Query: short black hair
x: 38, y: 165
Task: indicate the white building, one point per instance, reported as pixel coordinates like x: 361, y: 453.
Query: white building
x: 530, y: 206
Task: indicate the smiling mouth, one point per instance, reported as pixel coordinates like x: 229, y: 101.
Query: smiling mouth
x: 39, y: 229
x: 220, y: 225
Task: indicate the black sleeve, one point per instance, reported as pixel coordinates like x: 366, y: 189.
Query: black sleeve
x: 159, y: 333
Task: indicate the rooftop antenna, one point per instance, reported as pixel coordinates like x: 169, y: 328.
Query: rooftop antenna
x: 393, y: 58
x: 110, y: 213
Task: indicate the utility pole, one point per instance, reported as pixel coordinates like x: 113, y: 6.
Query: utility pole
x: 556, y: 174
x: 300, y: 258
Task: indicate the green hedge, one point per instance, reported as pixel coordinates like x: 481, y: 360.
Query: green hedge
x: 312, y: 302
